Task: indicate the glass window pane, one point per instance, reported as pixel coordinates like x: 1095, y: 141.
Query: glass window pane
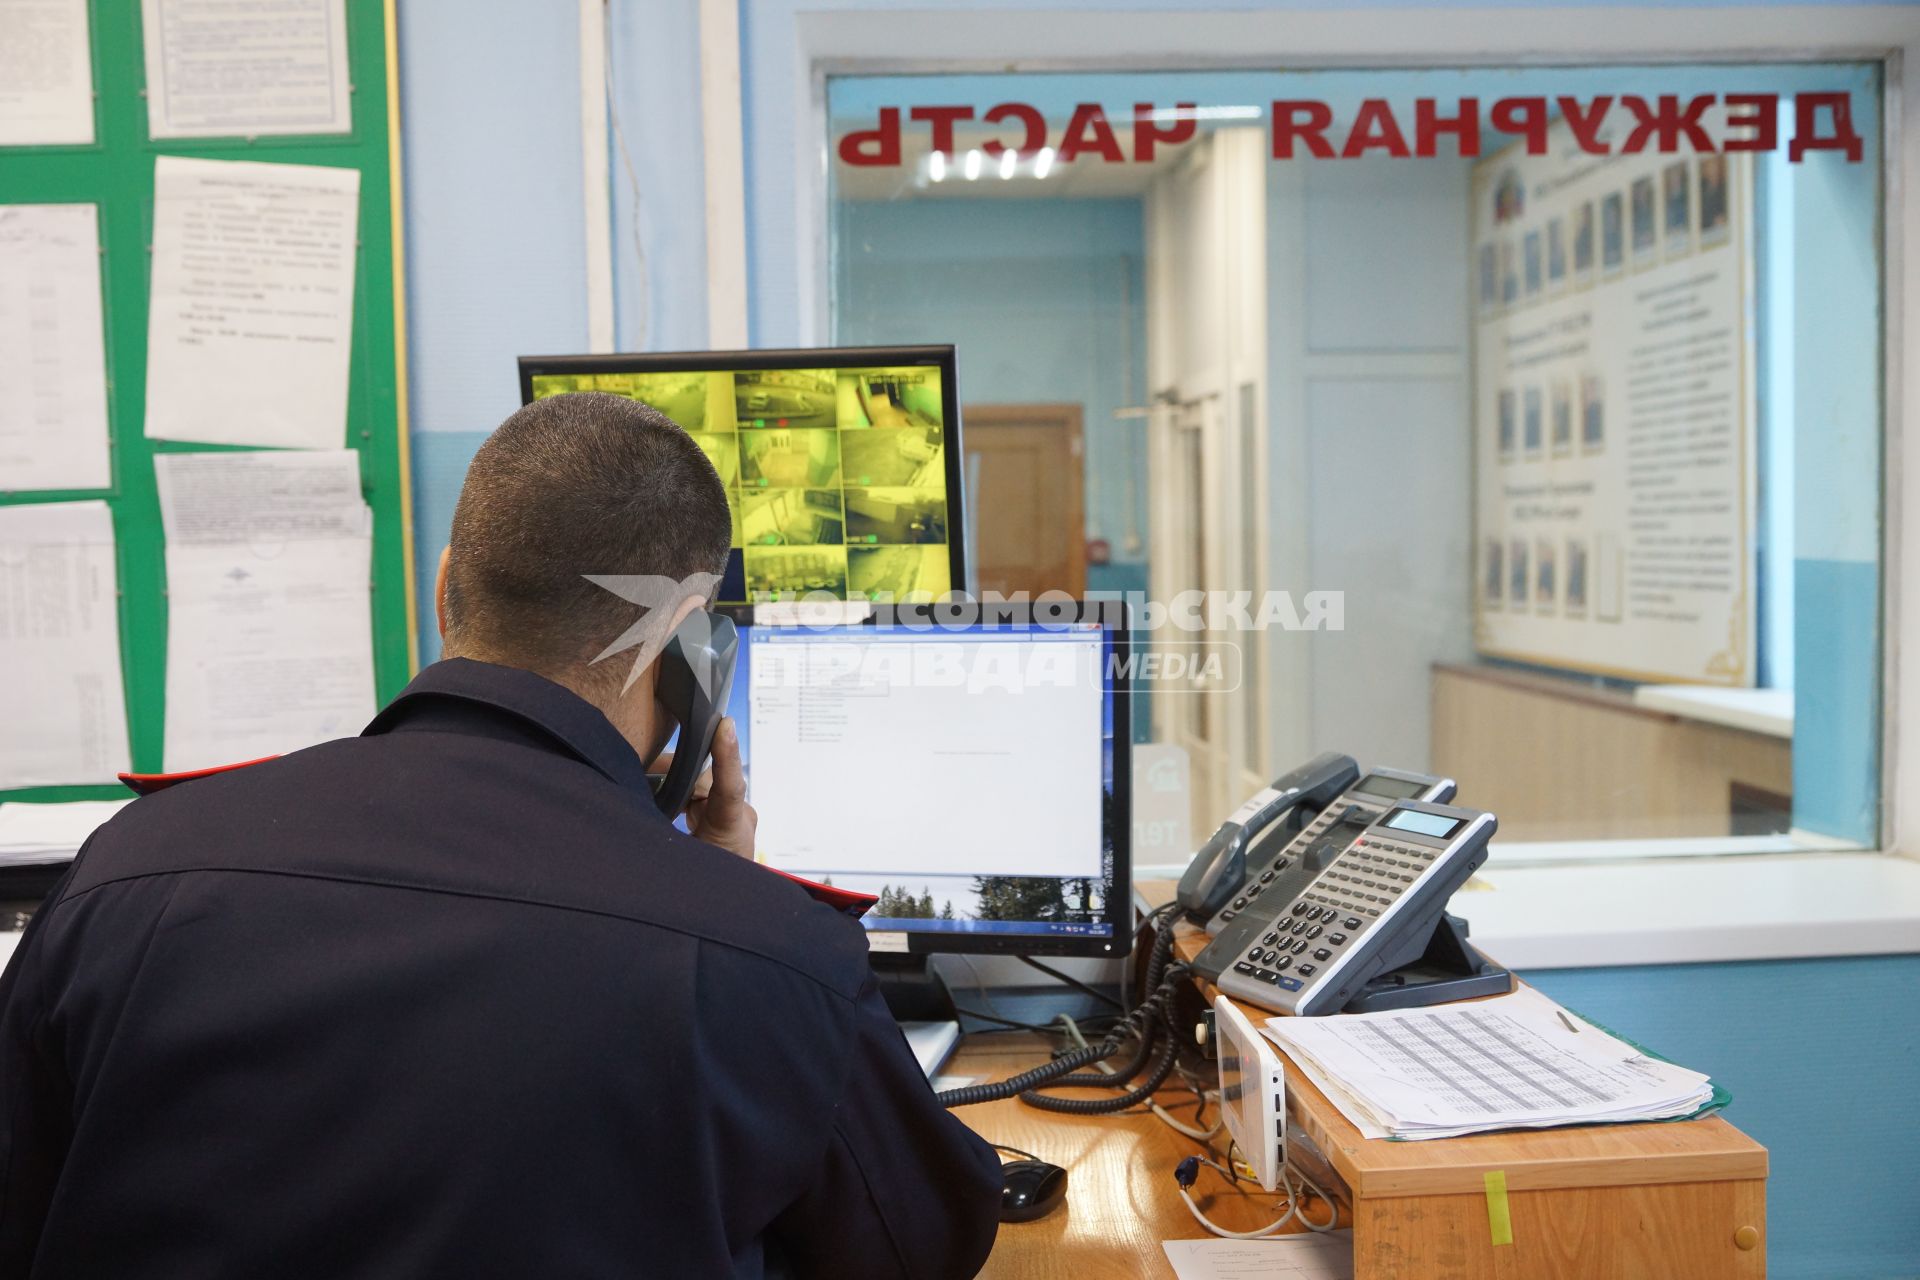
x: 1563, y: 446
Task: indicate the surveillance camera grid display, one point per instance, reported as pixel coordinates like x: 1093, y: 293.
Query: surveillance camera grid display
x: 837, y: 477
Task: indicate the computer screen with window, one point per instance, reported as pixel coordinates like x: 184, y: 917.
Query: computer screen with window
x: 842, y: 465
x: 973, y: 777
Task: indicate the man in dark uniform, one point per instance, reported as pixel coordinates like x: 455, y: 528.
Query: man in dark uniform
x: 453, y: 998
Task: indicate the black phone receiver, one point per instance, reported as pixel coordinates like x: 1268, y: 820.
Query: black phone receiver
x: 696, y: 676
x: 1217, y: 871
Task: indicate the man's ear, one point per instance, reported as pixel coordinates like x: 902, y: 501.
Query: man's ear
x: 440, y: 593
x: 687, y: 608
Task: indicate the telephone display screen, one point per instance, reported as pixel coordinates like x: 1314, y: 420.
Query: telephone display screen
x: 1390, y: 788
x: 838, y: 476
x: 1427, y: 824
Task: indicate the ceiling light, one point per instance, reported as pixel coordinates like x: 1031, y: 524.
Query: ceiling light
x: 1043, y: 163
x: 937, y: 166
x: 974, y: 159
x: 1008, y: 160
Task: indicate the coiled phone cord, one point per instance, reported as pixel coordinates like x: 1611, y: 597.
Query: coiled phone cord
x: 1141, y: 1023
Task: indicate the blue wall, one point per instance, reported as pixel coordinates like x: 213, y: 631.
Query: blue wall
x: 1820, y: 1056
x: 1044, y: 299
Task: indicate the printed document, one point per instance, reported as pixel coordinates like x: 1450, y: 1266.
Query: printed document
x: 269, y: 621
x: 251, y: 324
x: 53, y: 368
x: 41, y: 833
x: 1518, y: 1061
x: 63, y: 708
x: 1306, y: 1255
x: 246, y: 68
x: 46, y: 74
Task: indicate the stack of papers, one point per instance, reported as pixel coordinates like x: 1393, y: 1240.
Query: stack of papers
x: 32, y: 834
x: 1516, y: 1062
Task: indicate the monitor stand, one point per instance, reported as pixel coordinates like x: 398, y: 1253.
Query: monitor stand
x: 920, y: 1002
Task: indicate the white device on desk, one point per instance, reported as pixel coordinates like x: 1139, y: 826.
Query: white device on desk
x: 1253, y: 1105
x: 1377, y: 907
x: 1253, y: 1092
x: 1280, y: 864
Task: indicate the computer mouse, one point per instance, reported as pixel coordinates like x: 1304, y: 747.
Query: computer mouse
x: 1030, y: 1189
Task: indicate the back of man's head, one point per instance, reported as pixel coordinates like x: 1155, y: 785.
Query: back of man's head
x: 570, y: 486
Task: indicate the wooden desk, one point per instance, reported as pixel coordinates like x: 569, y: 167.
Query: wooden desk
x: 1685, y: 1199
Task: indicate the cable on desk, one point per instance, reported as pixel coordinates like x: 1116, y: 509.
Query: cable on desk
x: 1012, y: 1024
x: 1114, y: 1077
x: 1295, y: 1183
x: 1144, y: 1022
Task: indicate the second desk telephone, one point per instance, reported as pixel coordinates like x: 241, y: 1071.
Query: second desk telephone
x: 1328, y: 890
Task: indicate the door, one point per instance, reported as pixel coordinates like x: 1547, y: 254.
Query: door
x: 1024, y: 486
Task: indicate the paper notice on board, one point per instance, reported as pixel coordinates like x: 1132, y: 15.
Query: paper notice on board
x: 62, y: 701
x: 53, y: 375
x: 251, y: 324
x: 46, y: 74
x: 1615, y: 409
x: 269, y: 619
x: 246, y: 68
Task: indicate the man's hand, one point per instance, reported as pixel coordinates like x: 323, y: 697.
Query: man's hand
x: 719, y: 812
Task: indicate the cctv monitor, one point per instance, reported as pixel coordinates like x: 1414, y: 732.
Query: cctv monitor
x: 969, y: 766
x: 842, y: 465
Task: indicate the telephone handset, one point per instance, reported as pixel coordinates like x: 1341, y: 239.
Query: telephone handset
x: 1280, y: 861
x: 696, y: 676
x: 1220, y: 868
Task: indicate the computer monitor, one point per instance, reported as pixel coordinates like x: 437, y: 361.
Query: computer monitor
x: 970, y: 767
x: 843, y: 465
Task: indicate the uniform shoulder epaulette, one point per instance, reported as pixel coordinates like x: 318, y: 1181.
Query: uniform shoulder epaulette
x: 145, y: 784
x: 848, y: 901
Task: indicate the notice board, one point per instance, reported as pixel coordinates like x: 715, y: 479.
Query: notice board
x: 1613, y: 411
x: 116, y: 173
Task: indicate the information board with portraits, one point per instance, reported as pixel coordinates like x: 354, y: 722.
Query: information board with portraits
x: 1614, y: 419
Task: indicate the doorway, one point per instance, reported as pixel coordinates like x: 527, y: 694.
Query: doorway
x: 1025, y: 499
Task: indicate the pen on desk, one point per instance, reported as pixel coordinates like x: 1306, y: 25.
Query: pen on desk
x: 1569, y: 1021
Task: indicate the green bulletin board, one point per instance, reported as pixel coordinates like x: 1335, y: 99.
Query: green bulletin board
x: 116, y: 174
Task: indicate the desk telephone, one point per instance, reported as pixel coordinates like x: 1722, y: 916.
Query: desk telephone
x: 1272, y: 848
x: 1218, y: 873
x: 1343, y: 908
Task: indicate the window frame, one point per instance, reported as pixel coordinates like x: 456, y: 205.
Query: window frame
x: 861, y: 41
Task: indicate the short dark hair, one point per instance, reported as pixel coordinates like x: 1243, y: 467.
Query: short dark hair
x: 584, y: 483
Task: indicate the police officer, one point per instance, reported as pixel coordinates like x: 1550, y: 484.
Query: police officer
x: 453, y: 998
